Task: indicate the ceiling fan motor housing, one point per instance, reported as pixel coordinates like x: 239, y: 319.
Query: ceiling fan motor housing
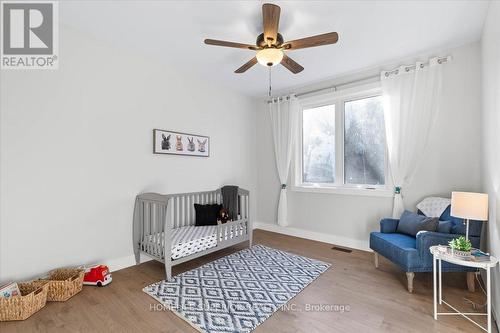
x: 261, y: 42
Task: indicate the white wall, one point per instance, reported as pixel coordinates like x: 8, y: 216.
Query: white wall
x: 491, y: 137
x: 452, y: 163
x: 76, y: 147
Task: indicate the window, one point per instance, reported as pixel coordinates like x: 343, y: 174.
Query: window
x: 364, y: 142
x: 342, y: 142
x: 318, y: 147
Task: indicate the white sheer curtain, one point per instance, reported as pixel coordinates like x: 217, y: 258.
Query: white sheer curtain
x: 411, y: 104
x: 284, y: 114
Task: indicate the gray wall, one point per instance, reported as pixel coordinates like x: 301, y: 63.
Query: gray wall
x: 491, y: 136
x: 451, y: 163
x: 76, y: 147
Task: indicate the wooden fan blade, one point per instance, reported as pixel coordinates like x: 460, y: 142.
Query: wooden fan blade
x: 318, y: 40
x: 291, y: 65
x: 271, y: 19
x: 230, y: 44
x: 246, y: 66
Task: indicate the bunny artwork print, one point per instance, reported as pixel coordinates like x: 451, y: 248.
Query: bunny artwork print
x: 165, y: 143
x: 201, y: 145
x: 190, y: 144
x: 178, y: 145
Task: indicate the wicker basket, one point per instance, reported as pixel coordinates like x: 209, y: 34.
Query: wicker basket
x: 33, y: 298
x: 64, y: 283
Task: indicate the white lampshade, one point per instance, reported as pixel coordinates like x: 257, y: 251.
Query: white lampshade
x: 270, y: 56
x: 468, y: 205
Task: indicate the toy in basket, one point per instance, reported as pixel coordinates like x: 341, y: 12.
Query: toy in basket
x: 97, y: 276
x: 32, y: 296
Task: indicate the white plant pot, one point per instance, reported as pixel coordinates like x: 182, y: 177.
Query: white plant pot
x: 461, y: 254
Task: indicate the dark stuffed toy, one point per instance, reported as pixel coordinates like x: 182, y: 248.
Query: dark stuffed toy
x: 223, y: 216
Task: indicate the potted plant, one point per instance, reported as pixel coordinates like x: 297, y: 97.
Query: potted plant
x: 461, y: 247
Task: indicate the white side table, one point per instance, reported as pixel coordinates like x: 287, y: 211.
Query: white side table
x: 486, y: 265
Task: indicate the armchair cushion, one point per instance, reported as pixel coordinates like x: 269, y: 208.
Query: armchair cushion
x: 411, y: 223
x: 388, y: 225
x: 444, y: 227
x: 398, y: 248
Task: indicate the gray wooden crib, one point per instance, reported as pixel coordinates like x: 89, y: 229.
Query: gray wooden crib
x: 157, y: 217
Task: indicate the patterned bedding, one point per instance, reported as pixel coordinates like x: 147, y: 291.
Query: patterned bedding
x: 190, y: 240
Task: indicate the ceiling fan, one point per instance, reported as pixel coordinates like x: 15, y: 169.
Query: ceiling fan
x: 270, y: 45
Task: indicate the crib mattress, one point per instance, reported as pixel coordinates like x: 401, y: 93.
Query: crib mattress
x: 191, y: 239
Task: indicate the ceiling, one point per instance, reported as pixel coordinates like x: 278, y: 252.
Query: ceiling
x: 371, y: 33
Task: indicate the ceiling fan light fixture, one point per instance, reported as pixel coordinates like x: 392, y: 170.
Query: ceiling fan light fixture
x: 269, y: 56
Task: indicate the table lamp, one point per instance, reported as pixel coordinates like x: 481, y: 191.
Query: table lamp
x: 469, y: 206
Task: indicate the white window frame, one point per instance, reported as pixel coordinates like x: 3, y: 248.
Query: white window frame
x: 338, y: 98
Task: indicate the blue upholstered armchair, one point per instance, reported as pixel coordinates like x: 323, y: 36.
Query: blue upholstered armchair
x: 412, y: 253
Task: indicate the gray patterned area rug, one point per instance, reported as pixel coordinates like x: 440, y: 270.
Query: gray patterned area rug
x: 238, y: 292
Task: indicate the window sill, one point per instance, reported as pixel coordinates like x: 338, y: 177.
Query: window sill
x: 342, y: 190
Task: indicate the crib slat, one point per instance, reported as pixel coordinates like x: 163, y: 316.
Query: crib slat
x: 242, y: 208
x: 148, y: 225
x: 153, y: 227
x: 158, y: 229
x: 246, y: 207
x: 188, y: 199
x: 184, y: 210
x: 177, y: 215
x: 191, y: 209
x: 141, y: 214
x: 187, y: 210
x: 174, y: 214
x: 150, y: 212
x: 172, y: 211
x: 151, y: 217
x: 166, y: 227
x: 181, y: 211
x: 181, y: 214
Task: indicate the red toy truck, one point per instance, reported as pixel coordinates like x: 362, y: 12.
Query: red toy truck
x: 97, y: 276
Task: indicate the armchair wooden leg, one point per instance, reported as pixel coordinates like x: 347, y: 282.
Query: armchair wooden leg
x: 471, y: 281
x: 409, y: 277
x: 375, y: 257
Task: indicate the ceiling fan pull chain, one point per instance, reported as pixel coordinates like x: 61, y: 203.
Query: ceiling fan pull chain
x: 270, y: 87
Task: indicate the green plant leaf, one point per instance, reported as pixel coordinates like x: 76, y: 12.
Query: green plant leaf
x: 460, y: 244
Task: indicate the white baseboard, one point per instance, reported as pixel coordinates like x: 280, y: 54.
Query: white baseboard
x: 124, y: 262
x: 313, y: 235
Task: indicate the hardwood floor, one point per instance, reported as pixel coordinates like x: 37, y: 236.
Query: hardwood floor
x: 377, y: 299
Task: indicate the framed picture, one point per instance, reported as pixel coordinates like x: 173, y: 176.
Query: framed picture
x: 177, y: 143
